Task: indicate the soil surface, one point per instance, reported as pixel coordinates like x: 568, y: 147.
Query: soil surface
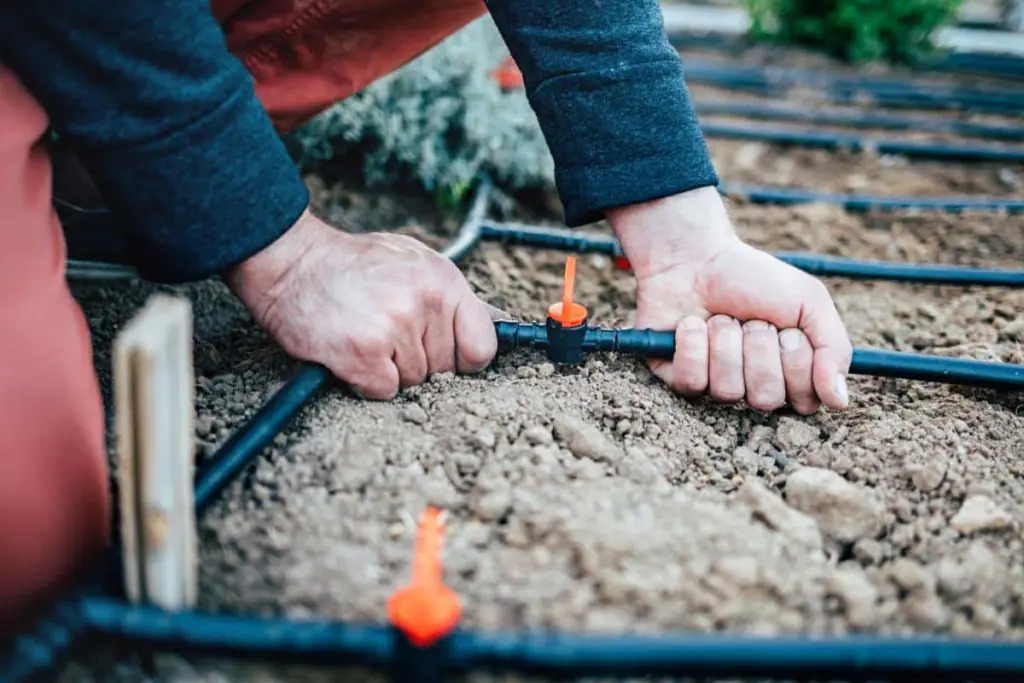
x: 592, y: 498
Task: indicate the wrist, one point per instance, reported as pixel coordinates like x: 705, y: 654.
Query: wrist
x: 255, y: 279
x: 689, y: 227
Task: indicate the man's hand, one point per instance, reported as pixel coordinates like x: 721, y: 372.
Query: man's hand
x: 747, y: 325
x: 381, y: 311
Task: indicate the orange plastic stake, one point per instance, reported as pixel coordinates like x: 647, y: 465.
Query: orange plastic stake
x: 426, y: 610
x: 568, y: 313
x: 508, y: 75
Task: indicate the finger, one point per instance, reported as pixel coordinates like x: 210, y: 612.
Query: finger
x: 832, y: 349
x: 476, y: 341
x: 411, y: 360
x: 689, y: 369
x: 762, y: 366
x: 377, y: 381
x: 797, y: 368
x: 725, y: 359
x: 439, y: 345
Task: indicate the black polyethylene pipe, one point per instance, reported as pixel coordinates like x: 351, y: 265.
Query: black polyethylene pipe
x: 893, y: 92
x: 836, y: 140
x: 785, y: 196
x: 562, y: 656
x: 820, y: 265
x: 857, y: 119
x: 256, y: 434
x: 278, y: 640
x: 36, y: 653
x: 875, y: 362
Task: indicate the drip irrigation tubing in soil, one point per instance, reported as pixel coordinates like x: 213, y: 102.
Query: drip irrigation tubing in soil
x: 549, y: 654
x: 1004, y: 66
x: 786, y: 196
x: 858, y: 119
x: 562, y: 239
x: 556, y: 655
x: 834, y: 140
x: 877, y: 91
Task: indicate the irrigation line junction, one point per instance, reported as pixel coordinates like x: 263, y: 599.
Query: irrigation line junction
x: 429, y: 646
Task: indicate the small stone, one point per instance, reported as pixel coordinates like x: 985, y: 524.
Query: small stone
x: 477, y: 533
x: 769, y: 509
x: 484, y: 438
x: 857, y: 594
x: 538, y: 435
x: 493, y: 505
x: 793, y: 434
x: 844, y: 511
x: 525, y: 372
x: 414, y: 413
x: 396, y: 530
x: 745, y: 460
x: 928, y: 476
x: 204, y: 425
x: 545, y: 369
x: 911, y: 576
x: 980, y: 513
x: 585, y: 440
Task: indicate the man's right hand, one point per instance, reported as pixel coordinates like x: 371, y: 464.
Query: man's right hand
x: 380, y: 311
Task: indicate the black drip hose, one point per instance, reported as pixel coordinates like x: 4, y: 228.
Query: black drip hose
x: 558, y: 655
x: 562, y: 239
x: 857, y: 119
x: 785, y: 196
x: 879, y: 363
x: 250, y: 439
x: 892, y: 92
x: 832, y: 140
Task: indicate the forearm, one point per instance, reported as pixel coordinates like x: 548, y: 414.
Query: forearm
x: 166, y: 121
x: 611, y: 98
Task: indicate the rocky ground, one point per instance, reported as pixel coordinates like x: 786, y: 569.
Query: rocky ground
x: 592, y: 498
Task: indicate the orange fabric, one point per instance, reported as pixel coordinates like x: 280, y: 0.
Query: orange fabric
x: 53, y: 479
x: 306, y: 55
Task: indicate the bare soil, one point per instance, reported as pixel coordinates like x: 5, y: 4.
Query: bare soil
x: 592, y: 498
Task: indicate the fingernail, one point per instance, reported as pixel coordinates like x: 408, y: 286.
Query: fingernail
x: 755, y: 326
x: 791, y: 339
x: 842, y: 390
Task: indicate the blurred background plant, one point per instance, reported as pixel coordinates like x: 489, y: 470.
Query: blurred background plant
x: 434, y: 124
x: 854, y: 30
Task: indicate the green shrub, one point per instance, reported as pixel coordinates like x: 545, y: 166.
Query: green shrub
x: 854, y: 30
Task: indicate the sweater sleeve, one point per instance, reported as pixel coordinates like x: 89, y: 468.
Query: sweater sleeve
x: 167, y: 122
x: 609, y: 92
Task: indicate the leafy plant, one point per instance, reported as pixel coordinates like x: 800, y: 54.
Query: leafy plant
x: 854, y: 30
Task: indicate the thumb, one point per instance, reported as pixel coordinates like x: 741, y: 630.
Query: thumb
x: 833, y: 351
x: 476, y: 341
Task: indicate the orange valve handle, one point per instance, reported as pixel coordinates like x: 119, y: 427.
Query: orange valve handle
x: 568, y: 313
x: 426, y: 610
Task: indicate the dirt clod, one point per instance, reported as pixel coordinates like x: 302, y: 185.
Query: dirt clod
x: 843, y: 511
x: 980, y: 513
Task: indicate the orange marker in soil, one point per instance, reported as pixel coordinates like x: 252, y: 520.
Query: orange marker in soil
x: 508, y: 75
x: 567, y: 313
x: 426, y: 610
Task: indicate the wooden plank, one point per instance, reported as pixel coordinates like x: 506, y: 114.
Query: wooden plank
x: 154, y: 402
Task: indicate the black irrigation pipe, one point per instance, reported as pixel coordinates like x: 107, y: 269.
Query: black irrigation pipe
x: 834, y: 140
x: 874, y: 362
x: 891, y: 92
x: 554, y: 655
x: 562, y: 239
x: 1005, y: 66
x: 785, y: 196
x: 858, y: 119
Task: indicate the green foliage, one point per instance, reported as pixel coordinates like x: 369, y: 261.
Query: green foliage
x: 436, y: 123
x: 854, y: 30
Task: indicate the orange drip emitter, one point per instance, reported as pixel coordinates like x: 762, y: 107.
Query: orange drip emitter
x: 425, y: 610
x: 567, y: 322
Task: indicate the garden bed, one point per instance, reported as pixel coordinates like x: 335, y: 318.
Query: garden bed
x: 591, y: 498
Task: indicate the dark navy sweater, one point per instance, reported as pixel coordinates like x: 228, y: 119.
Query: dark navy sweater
x: 166, y: 119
